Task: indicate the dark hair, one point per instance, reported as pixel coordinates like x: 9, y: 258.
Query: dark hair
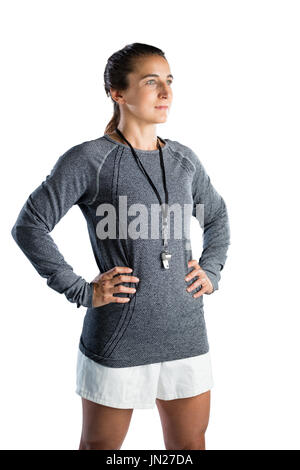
x: 118, y: 66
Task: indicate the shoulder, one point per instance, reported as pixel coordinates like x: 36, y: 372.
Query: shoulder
x: 81, y: 151
x: 87, y: 154
x: 185, y: 153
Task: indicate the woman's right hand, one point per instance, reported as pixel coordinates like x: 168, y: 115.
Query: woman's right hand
x: 105, y: 285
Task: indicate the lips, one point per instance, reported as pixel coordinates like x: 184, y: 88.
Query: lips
x: 162, y: 107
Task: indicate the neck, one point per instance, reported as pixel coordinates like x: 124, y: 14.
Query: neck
x: 138, y: 140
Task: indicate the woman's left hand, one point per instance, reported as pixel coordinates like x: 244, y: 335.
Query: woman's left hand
x: 207, y: 287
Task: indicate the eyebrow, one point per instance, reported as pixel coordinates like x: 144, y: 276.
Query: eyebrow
x: 155, y: 75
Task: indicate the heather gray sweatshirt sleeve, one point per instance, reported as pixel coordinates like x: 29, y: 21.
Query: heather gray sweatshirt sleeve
x: 213, y: 219
x: 70, y: 182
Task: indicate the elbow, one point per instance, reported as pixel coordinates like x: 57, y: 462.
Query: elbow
x: 20, y: 232
x: 26, y: 226
x: 226, y: 223
x: 16, y: 233
x: 223, y: 217
x: 218, y: 216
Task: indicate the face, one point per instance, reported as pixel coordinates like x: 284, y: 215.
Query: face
x: 150, y: 87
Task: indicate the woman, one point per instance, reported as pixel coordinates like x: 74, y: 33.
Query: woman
x: 144, y: 339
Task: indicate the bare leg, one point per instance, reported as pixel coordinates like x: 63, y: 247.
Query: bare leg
x: 184, y: 421
x: 103, y: 427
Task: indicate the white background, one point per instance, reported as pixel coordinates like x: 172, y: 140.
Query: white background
x: 236, y: 104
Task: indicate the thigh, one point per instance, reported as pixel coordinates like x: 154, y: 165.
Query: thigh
x: 103, y: 427
x: 184, y: 421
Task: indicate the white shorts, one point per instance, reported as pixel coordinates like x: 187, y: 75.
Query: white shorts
x: 139, y: 386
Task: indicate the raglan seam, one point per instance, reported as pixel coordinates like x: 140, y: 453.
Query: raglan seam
x: 99, y: 170
x: 181, y: 160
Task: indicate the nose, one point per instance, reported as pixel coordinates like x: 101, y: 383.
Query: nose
x: 164, y: 93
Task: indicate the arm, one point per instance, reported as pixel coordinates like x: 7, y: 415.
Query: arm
x: 70, y: 182
x: 213, y: 218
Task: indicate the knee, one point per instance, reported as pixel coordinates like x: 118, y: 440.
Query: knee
x: 188, y: 443
x: 99, y: 445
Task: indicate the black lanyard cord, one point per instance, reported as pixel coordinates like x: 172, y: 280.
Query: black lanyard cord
x: 146, y: 174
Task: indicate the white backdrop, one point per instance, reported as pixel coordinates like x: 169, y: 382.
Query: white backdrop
x: 236, y: 104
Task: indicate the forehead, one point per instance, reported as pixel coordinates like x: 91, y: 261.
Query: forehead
x: 150, y: 65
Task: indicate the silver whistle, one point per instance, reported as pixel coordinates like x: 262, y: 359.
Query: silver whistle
x: 166, y: 256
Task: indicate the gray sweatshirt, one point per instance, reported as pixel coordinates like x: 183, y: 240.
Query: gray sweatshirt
x: 162, y: 321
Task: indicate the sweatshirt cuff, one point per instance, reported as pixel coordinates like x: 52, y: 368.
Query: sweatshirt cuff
x: 76, y: 289
x: 86, y: 296
x: 213, y: 278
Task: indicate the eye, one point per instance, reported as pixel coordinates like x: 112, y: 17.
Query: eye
x: 152, y: 80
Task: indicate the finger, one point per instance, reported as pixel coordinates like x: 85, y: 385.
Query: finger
x: 124, y: 278
x: 192, y: 262
x: 192, y: 274
x: 117, y: 270
x: 121, y: 288
x: 121, y: 300
x: 201, y: 291
x: 208, y: 280
x: 109, y: 288
x: 200, y: 282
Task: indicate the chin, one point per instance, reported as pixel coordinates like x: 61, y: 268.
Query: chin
x: 162, y: 119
